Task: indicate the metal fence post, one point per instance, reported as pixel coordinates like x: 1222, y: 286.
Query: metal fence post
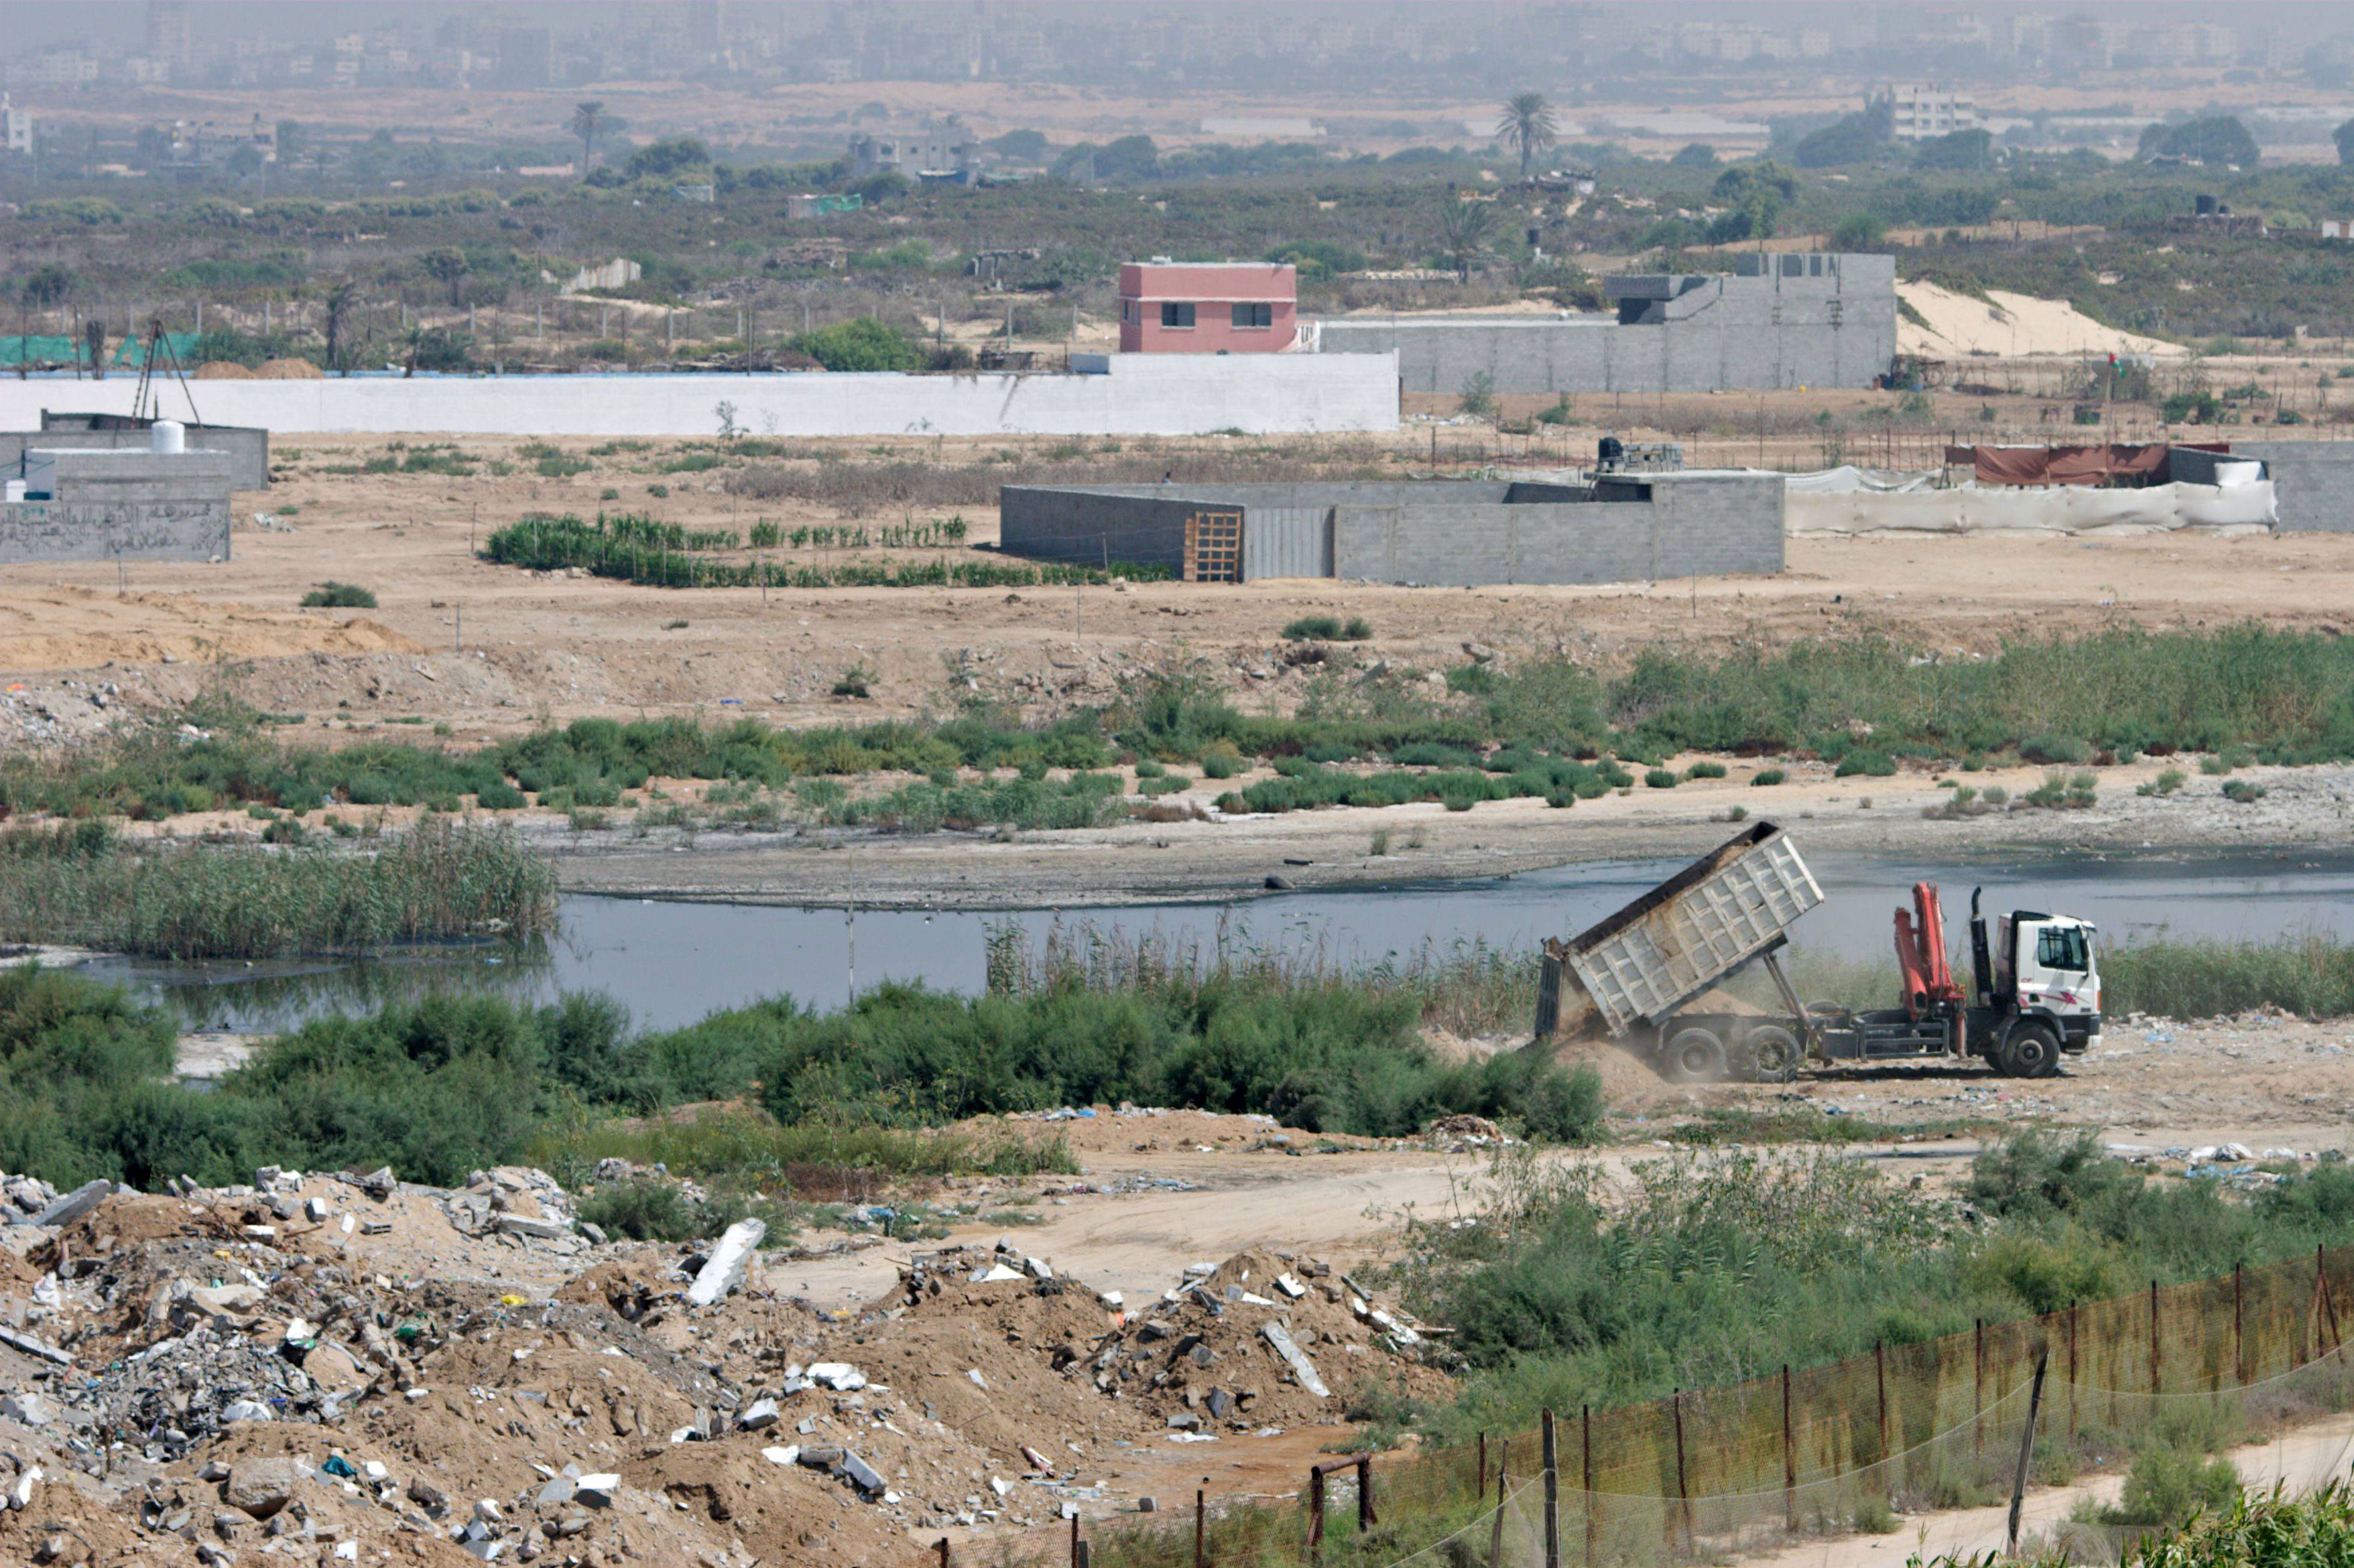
x: 1364, y: 1493
x: 1789, y: 1459
x: 1683, y: 1488
x: 1880, y: 1372
x: 1496, y: 1529
x: 2154, y: 1363
x: 2239, y: 1342
x: 1977, y: 1390
x: 1315, y: 1515
x: 1586, y: 1481
x: 1200, y: 1522
x: 1552, y: 1496
x: 2026, y: 1449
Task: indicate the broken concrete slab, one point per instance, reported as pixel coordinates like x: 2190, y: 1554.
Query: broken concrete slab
x: 759, y: 1413
x: 839, y: 1376
x: 729, y: 1258
x: 597, y: 1490
x: 75, y: 1204
x: 1301, y: 1367
x: 546, y: 1230
x: 865, y: 1477
x: 28, y: 1409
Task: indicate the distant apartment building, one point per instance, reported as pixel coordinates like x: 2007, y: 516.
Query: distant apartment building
x: 1220, y: 307
x: 168, y: 38
x: 15, y: 127
x: 914, y: 154
x: 1920, y: 111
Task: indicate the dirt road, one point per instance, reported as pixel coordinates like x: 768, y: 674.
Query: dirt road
x: 2298, y: 1461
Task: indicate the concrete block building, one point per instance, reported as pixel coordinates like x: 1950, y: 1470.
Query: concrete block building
x: 1415, y: 533
x: 156, y: 503
x: 248, y: 446
x: 1776, y: 321
x: 1222, y: 307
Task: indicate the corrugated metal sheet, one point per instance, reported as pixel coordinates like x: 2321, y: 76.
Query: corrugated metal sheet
x: 1287, y: 542
x: 1697, y: 938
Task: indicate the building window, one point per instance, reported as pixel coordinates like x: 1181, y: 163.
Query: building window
x: 1261, y: 314
x: 1176, y: 315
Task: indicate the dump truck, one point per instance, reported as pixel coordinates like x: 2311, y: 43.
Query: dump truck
x: 1650, y: 978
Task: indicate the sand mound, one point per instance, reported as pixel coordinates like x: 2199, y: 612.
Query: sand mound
x: 2008, y: 326
x: 222, y: 370
x: 289, y: 370
x: 69, y: 628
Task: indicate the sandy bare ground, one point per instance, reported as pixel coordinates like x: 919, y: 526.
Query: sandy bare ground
x: 2157, y: 1091
x: 464, y: 651
x: 2298, y: 1461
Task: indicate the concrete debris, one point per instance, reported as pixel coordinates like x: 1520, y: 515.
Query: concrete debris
x: 65, y: 1211
x: 729, y: 1260
x: 268, y: 1368
x: 1301, y: 1367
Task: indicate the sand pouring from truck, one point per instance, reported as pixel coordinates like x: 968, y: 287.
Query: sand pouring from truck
x: 1647, y: 978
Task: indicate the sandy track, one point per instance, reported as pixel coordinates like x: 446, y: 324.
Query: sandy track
x: 2298, y: 1461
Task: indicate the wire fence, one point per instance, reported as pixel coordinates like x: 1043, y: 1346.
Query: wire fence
x: 1951, y: 1423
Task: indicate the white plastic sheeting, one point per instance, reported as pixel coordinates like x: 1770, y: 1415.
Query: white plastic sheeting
x: 1834, y: 504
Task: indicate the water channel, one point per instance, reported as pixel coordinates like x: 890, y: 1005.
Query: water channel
x: 672, y: 963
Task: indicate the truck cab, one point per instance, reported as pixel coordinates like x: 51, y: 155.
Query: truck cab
x: 2045, y: 968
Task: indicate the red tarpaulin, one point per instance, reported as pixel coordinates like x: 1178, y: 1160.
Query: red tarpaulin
x: 2118, y: 463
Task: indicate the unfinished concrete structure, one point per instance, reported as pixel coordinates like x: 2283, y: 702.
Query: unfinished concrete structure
x: 1434, y: 533
x: 2313, y: 481
x: 1777, y: 321
x: 157, y: 503
x: 248, y: 446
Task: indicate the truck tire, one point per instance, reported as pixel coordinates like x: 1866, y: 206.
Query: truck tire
x: 1773, y: 1053
x: 1694, y: 1056
x: 2032, y: 1050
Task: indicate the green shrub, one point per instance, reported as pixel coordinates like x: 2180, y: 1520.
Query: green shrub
x: 1323, y: 628
x: 1768, y: 777
x: 1705, y: 770
x: 1660, y: 778
x: 332, y: 595
x: 862, y: 344
x: 1865, y: 764
x: 2166, y: 1485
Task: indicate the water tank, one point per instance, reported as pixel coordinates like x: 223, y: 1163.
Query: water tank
x: 167, y: 436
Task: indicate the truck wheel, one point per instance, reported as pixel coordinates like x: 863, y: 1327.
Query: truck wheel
x: 1773, y: 1053
x: 1694, y: 1056
x: 2032, y: 1052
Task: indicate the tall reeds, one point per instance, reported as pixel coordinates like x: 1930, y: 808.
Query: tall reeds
x: 439, y: 882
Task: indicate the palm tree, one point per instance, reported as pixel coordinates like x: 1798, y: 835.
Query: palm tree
x: 341, y: 298
x: 589, y: 122
x: 1527, y: 127
x: 1463, y: 230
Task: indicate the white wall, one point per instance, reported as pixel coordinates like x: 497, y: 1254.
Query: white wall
x: 1143, y: 394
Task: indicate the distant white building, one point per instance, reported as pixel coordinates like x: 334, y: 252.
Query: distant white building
x: 15, y: 127
x: 913, y: 154
x: 1921, y: 111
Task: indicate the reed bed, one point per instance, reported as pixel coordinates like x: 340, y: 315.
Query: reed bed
x: 447, y: 881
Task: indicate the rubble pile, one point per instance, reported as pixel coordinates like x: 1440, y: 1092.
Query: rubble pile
x: 347, y: 1367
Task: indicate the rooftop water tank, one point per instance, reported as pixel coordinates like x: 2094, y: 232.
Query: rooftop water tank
x: 167, y: 436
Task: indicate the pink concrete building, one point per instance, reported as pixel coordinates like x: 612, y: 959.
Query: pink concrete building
x: 1214, y: 307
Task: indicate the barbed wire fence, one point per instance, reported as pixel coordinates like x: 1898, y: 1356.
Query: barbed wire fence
x: 1973, y: 1421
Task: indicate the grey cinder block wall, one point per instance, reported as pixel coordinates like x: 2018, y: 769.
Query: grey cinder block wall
x: 247, y: 445
x: 1777, y: 321
x: 2313, y: 481
x: 131, y: 505
x: 1433, y: 533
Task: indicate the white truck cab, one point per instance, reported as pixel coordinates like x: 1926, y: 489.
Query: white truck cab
x: 2046, y: 968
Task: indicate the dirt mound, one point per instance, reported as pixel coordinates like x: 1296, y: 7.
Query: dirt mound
x: 222, y: 370
x: 67, y: 628
x: 289, y: 370
x: 1955, y: 324
x: 1123, y: 1129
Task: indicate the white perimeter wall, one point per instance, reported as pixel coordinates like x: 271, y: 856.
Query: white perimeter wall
x: 1141, y: 394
